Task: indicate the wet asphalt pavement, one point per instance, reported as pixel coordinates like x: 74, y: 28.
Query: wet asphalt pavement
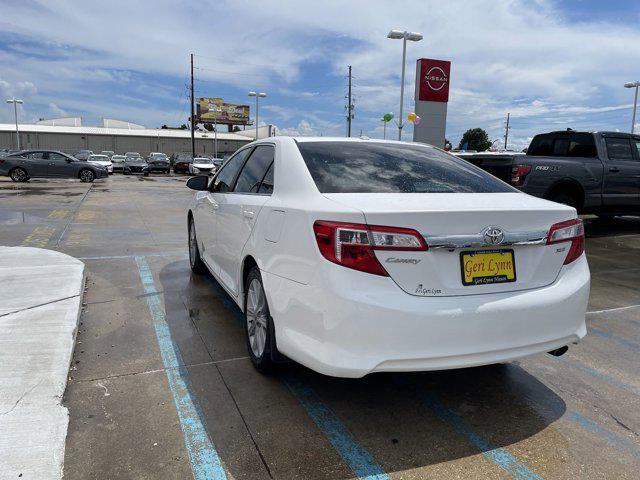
x: 161, y: 387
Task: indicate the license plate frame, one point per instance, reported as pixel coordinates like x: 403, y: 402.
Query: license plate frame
x: 487, y: 279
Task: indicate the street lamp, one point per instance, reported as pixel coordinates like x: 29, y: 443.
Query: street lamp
x: 635, y: 102
x: 15, y: 112
x: 257, y: 95
x: 404, y: 36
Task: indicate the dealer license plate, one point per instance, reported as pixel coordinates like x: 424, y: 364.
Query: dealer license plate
x: 483, y: 267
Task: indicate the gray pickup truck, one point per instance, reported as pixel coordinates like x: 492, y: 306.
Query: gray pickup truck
x: 595, y: 172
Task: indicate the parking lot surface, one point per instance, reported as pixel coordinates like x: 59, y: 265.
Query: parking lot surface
x: 161, y: 387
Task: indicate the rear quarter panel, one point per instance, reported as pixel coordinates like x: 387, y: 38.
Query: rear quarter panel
x: 549, y: 171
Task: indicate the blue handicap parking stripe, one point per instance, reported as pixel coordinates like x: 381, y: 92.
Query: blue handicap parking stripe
x: 599, y: 375
x: 360, y: 460
x: 610, y: 437
x: 497, y: 455
x: 630, y: 344
x: 205, y: 462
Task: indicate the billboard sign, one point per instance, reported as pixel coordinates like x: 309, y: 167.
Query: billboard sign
x: 434, y: 78
x: 214, y: 110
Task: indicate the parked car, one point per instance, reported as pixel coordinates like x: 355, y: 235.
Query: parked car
x: 28, y: 164
x: 358, y: 256
x: 83, y: 154
x: 108, y: 153
x: 132, y: 154
x: 103, y: 160
x: 159, y: 162
x: 134, y: 165
x: 118, y: 162
x: 594, y: 172
x: 182, y: 162
x: 202, y: 165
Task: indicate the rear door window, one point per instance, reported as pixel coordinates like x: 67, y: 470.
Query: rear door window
x: 619, y: 148
x: 266, y: 186
x: 563, y: 145
x: 254, y: 170
x: 227, y: 174
x: 376, y: 167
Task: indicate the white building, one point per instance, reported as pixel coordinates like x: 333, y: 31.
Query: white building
x: 70, y: 139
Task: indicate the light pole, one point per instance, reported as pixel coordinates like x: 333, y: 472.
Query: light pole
x: 635, y: 102
x: 15, y: 112
x: 404, y: 36
x: 257, y: 95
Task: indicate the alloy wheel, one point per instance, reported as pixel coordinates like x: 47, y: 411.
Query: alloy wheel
x: 86, y: 176
x: 256, y: 318
x: 192, y: 243
x: 18, y: 175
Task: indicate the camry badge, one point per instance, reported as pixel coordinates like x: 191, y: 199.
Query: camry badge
x: 493, y: 235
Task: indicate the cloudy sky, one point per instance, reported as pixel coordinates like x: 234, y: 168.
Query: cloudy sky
x: 551, y: 63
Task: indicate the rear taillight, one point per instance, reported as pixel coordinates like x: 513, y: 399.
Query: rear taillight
x: 569, y: 231
x: 352, y: 245
x: 519, y: 173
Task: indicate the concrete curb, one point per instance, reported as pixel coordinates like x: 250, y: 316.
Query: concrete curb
x: 40, y: 303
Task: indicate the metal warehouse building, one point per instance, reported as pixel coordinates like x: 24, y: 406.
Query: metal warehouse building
x: 119, y: 140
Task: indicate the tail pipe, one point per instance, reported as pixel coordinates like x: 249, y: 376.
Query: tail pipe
x: 558, y: 352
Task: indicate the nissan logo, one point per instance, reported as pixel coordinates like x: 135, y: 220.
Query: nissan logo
x: 436, y: 78
x: 493, y: 235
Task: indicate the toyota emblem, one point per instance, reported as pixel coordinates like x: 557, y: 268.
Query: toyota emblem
x: 493, y: 235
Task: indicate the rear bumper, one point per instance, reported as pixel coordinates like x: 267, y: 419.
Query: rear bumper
x: 339, y: 330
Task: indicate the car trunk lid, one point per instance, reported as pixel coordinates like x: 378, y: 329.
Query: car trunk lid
x: 458, y: 229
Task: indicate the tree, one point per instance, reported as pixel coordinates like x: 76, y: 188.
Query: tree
x: 476, y: 139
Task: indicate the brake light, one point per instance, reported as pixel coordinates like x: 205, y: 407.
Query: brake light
x: 571, y: 230
x: 519, y: 173
x: 352, y: 245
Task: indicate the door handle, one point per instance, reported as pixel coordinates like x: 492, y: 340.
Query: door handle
x: 248, y: 214
x: 614, y: 169
x: 215, y: 206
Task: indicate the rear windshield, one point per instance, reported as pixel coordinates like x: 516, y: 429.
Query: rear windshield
x: 359, y: 167
x: 563, y: 144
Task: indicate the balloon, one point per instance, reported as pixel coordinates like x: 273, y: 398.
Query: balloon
x: 411, y: 117
x: 416, y: 121
x: 387, y: 117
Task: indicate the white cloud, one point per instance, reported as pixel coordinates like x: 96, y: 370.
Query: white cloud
x: 507, y: 56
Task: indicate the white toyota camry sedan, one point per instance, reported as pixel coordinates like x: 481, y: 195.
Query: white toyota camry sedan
x: 358, y: 256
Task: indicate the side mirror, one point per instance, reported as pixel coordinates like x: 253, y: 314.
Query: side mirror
x: 200, y: 182
x: 69, y: 160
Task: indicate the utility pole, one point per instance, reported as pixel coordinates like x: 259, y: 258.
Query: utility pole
x: 349, y: 106
x: 193, y: 135
x: 506, y: 132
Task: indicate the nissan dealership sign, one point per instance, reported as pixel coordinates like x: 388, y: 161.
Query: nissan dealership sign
x: 432, y: 94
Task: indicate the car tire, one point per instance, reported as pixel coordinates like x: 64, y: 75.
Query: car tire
x: 19, y: 175
x: 258, y: 324
x: 146, y: 174
x: 86, y: 176
x: 195, y: 261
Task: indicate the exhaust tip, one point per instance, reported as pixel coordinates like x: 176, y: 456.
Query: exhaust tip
x: 558, y: 352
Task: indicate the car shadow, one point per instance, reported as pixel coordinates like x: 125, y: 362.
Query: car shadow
x: 609, y: 227
x: 403, y: 420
